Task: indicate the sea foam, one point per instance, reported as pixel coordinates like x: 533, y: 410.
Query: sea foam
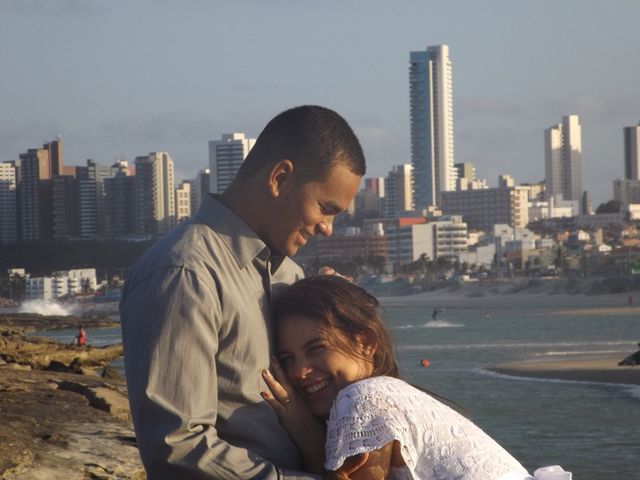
x: 47, y: 307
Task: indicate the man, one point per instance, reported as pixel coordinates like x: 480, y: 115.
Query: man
x: 195, y: 308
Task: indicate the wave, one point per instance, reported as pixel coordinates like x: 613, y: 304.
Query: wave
x: 47, y: 307
x: 442, y: 324
x: 578, y: 352
x: 429, y: 324
x: 632, y: 390
x: 521, y: 345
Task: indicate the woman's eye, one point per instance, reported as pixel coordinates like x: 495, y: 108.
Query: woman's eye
x: 284, y: 361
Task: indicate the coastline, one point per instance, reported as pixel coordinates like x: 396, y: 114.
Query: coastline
x: 593, y: 368
x: 62, y: 419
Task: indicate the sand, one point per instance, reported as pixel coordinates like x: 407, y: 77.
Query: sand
x: 602, y: 368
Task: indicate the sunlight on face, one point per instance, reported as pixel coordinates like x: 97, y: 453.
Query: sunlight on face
x: 316, y: 367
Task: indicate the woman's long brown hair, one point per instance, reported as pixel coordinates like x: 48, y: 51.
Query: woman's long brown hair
x: 346, y: 309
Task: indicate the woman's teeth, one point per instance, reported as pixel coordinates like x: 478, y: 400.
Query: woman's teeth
x: 316, y: 387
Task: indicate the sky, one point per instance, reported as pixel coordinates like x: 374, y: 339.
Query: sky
x: 122, y: 78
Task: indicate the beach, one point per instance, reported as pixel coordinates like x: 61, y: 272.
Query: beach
x: 601, y: 369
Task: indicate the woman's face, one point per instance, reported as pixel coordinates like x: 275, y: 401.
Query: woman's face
x: 316, y: 367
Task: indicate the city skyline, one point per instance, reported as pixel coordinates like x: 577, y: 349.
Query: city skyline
x: 517, y: 69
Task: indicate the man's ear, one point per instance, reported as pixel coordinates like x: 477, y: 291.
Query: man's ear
x: 280, y: 177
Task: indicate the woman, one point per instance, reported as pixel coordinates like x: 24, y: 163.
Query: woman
x: 336, y: 356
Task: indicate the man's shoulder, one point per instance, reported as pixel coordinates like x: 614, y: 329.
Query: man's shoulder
x: 192, y: 246
x: 290, y: 267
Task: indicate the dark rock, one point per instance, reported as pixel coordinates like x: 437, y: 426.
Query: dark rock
x: 110, y: 373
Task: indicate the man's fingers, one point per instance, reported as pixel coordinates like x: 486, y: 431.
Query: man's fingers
x: 351, y: 464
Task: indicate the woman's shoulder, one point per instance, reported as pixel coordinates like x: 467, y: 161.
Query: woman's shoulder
x: 375, y: 385
x: 376, y: 389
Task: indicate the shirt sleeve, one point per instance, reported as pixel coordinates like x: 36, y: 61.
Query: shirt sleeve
x: 359, y: 423
x: 170, y: 333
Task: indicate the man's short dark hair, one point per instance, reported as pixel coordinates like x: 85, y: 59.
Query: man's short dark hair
x: 314, y: 138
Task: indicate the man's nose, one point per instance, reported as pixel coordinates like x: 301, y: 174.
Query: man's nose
x: 326, y: 227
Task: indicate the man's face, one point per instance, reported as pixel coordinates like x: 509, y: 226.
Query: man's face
x: 306, y: 210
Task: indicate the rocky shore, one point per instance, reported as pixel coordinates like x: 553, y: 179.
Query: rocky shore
x: 65, y: 414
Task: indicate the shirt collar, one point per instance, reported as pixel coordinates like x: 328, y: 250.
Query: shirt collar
x: 241, y: 241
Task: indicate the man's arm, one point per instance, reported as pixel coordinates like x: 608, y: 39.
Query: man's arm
x: 170, y: 323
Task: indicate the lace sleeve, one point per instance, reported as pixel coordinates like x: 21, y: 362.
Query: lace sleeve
x: 363, y: 419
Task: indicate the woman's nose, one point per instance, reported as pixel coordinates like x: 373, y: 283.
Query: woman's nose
x: 300, y: 369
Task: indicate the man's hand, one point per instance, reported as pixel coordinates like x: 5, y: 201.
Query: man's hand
x: 349, y: 467
x: 326, y: 270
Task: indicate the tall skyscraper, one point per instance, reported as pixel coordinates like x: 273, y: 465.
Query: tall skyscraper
x: 225, y: 157
x: 65, y: 202
x: 120, y: 200
x: 155, y: 194
x: 91, y: 197
x: 631, y: 152
x: 8, y: 206
x: 398, y: 191
x: 563, y: 159
x: 431, y: 106
x: 37, y: 167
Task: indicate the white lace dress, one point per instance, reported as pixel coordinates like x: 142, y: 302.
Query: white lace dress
x: 436, y: 442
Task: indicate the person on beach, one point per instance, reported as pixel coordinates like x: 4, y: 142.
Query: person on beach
x: 335, y: 358
x: 81, y: 338
x: 196, y: 307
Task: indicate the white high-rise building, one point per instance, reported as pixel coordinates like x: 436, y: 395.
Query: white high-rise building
x: 431, y: 105
x: 183, y: 201
x: 155, y: 190
x: 225, y: 157
x: 632, y: 152
x: 563, y: 159
x: 8, y: 206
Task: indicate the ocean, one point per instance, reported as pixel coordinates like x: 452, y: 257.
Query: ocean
x: 588, y: 428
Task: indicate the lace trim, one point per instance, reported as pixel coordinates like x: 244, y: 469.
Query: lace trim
x: 358, y: 424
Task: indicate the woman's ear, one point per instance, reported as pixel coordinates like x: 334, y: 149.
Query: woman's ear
x: 367, y: 347
x: 280, y: 177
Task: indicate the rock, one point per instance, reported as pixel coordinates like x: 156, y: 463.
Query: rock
x: 41, y: 352
x: 110, y: 373
x: 18, y: 366
x: 48, y: 432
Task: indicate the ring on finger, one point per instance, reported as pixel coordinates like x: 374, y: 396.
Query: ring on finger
x: 286, y: 400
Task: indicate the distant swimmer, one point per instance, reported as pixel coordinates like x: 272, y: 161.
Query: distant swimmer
x: 435, y: 313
